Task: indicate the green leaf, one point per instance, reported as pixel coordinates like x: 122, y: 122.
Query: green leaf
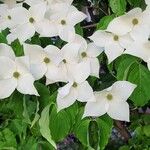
x: 18, y: 127
x: 93, y: 134
x: 103, y: 23
x: 3, y: 38
x: 123, y: 66
x: 7, y: 140
x: 18, y: 48
x: 45, y: 97
x: 137, y: 3
x: 44, y: 126
x: 140, y: 76
x: 81, y: 128
x: 29, y: 143
x: 124, y: 147
x: 79, y: 29
x: 105, y: 124
x: 60, y: 124
x: 81, y: 132
x: 37, y: 116
x: 146, y: 130
x: 25, y: 112
x: 118, y: 6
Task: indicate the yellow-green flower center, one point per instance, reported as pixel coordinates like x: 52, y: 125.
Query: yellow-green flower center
x: 109, y: 97
x: 135, y: 21
x: 75, y: 85
x: 31, y: 20
x: 116, y: 38
x: 46, y: 60
x: 64, y: 61
x: 16, y: 75
x: 84, y: 54
x: 9, y: 17
x: 63, y: 22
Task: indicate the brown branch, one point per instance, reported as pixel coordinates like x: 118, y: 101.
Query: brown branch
x: 122, y: 130
x: 89, y: 26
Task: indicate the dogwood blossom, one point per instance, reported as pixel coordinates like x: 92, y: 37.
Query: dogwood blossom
x: 15, y: 74
x: 113, y: 44
x: 43, y: 62
x: 111, y: 101
x: 63, y: 17
x: 49, y: 3
x: 89, y: 52
x: 77, y: 88
x: 140, y: 46
x: 131, y: 21
x: 6, y: 17
x: 12, y: 3
x: 28, y: 22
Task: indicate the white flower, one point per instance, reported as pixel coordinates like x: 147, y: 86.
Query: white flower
x: 6, y: 17
x: 14, y: 74
x: 68, y: 60
x: 43, y: 62
x: 63, y: 17
x: 112, y: 43
x: 77, y: 88
x: 131, y: 21
x: 12, y: 3
x: 89, y: 52
x: 141, y: 45
x: 111, y: 101
x: 28, y: 22
x: 49, y: 3
x: 147, y: 2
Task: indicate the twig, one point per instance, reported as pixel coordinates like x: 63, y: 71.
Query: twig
x: 89, y: 26
x: 123, y: 130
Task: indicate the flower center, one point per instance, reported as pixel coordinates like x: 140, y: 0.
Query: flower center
x: 9, y: 17
x: 31, y: 20
x: 63, y: 22
x: 64, y: 61
x: 109, y: 97
x: 135, y: 21
x: 116, y: 38
x: 84, y: 54
x: 16, y: 75
x: 46, y: 60
x: 74, y: 85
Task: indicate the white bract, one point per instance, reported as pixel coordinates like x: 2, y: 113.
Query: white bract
x: 12, y: 3
x: 68, y: 59
x: 111, y: 101
x: 77, y: 88
x: 89, y: 52
x: 132, y: 21
x: 113, y: 44
x: 28, y: 22
x: 15, y: 74
x: 140, y: 47
x: 63, y: 17
x: 43, y: 62
x: 6, y: 17
x: 49, y: 3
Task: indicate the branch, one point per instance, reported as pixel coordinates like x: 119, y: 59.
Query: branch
x: 89, y: 26
x: 123, y: 130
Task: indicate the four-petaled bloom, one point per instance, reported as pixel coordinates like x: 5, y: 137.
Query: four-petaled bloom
x: 111, y: 101
x: 113, y: 44
x: 42, y: 62
x: 15, y: 74
x: 28, y: 22
x: 63, y: 17
x: 77, y: 88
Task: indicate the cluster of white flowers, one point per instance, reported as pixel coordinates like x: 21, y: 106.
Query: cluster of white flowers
x: 75, y: 61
